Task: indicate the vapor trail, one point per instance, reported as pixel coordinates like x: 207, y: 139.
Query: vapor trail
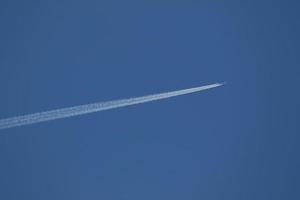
x: 94, y: 107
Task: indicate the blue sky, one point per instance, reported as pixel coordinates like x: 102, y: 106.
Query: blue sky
x: 234, y: 142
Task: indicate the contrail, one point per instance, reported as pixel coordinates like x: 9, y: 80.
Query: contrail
x: 94, y: 107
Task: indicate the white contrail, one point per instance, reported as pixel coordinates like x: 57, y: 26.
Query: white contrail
x: 94, y: 107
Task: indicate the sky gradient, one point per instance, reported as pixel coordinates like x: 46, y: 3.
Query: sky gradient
x: 240, y: 141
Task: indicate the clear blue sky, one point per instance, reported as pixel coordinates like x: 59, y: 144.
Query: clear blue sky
x: 240, y: 141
